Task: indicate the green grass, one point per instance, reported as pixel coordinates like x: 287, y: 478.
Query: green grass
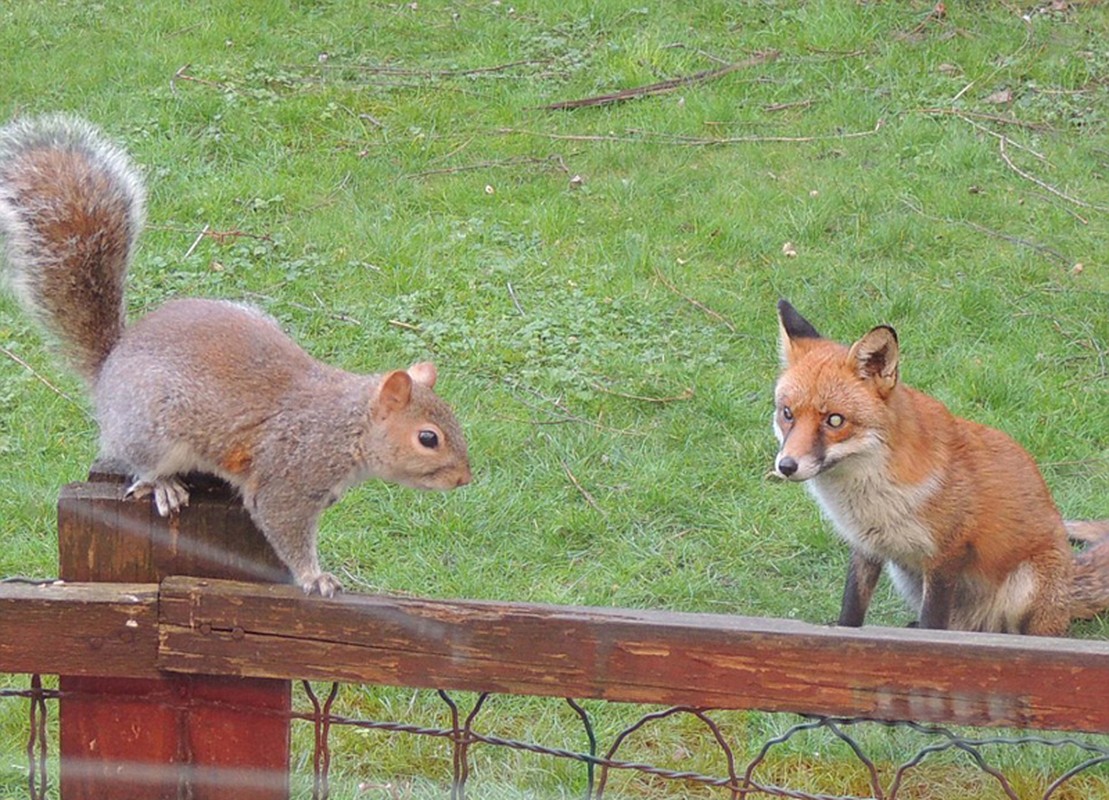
x: 390, y: 202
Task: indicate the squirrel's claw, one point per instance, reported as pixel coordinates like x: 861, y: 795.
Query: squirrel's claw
x: 324, y: 584
x: 170, y: 494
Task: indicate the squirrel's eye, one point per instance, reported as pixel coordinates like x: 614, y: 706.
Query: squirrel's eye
x: 835, y: 420
x: 787, y: 413
x: 429, y: 439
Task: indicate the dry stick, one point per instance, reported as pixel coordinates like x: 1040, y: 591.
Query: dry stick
x: 1049, y: 251
x: 569, y: 416
x: 515, y: 300
x: 1004, y: 63
x: 1046, y: 186
x: 45, y: 381
x: 1049, y: 199
x: 181, y: 76
x: 660, y: 88
x: 584, y: 492
x: 445, y: 73
x: 196, y: 242
x: 691, y: 141
x: 338, y: 315
x: 219, y: 236
x: 507, y: 162
x: 787, y: 106
x: 1002, y: 137
x: 690, y: 300
x: 686, y: 394
x: 963, y: 114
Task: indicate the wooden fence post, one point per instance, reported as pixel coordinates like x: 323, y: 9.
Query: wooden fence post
x: 176, y: 736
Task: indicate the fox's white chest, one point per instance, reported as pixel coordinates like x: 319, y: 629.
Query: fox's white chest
x: 875, y: 515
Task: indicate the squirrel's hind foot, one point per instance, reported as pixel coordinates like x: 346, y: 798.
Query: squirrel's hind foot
x: 170, y: 494
x: 324, y: 584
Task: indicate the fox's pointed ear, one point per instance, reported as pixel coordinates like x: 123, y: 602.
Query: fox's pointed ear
x: 876, y: 357
x: 793, y: 331
x: 394, y: 393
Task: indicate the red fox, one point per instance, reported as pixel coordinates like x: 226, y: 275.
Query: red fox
x: 956, y: 511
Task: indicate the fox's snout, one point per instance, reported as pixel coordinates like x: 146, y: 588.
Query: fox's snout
x: 790, y: 468
x: 787, y: 466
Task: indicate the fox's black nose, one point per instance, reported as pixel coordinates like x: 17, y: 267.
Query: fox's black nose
x: 787, y: 465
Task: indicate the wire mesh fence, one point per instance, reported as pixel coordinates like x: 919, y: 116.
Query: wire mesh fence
x: 623, y: 750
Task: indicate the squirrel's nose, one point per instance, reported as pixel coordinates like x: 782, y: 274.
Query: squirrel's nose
x: 787, y: 465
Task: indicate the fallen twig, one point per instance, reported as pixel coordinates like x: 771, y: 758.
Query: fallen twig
x: 196, y: 241
x: 787, y: 106
x: 1045, y: 186
x: 1040, y: 248
x: 409, y: 72
x: 696, y: 303
x: 584, y: 492
x: 43, y: 379
x: 515, y: 300
x: 181, y: 75
x: 686, y: 394
x: 965, y: 115
x: 690, y: 141
x: 565, y: 415
x: 661, y: 87
x: 556, y: 160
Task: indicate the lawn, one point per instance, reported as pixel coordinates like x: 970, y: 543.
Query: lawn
x: 597, y: 281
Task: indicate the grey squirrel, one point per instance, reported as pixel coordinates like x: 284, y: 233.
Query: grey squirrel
x: 202, y: 385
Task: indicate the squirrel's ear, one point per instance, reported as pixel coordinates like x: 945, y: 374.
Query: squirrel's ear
x: 795, y: 333
x: 394, y: 393
x: 424, y: 373
x: 876, y: 357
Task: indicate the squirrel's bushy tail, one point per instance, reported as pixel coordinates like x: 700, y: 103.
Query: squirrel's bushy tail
x: 71, y: 206
x: 1090, y: 590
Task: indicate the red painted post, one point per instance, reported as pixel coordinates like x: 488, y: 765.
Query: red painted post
x: 176, y: 736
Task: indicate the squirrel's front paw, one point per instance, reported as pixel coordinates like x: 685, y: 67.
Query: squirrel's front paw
x: 169, y: 493
x: 324, y: 584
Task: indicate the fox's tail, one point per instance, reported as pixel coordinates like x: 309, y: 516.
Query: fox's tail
x: 1090, y: 590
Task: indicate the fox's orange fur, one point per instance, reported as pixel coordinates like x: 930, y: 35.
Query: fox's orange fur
x: 956, y: 511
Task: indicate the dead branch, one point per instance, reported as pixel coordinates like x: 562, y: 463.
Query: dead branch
x: 555, y: 160
x: 695, y: 303
x: 661, y: 87
x: 965, y: 115
x: 690, y: 141
x: 43, y: 379
x: 584, y: 492
x: 1040, y: 248
x: 686, y: 394
x: 1045, y: 186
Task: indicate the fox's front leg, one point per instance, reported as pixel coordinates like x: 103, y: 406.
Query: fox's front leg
x: 862, y: 577
x: 939, y: 594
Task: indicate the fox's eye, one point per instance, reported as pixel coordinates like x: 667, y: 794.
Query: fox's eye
x: 429, y: 439
x: 835, y: 420
x: 787, y: 413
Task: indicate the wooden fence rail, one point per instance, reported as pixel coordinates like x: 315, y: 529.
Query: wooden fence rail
x: 211, y: 627
x: 212, y: 641
x: 220, y: 628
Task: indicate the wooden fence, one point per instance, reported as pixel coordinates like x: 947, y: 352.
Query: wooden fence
x: 186, y: 610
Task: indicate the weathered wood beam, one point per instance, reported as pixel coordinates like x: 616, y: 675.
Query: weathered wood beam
x: 636, y: 656
x: 79, y: 628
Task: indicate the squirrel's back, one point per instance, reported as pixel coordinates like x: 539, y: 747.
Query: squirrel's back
x: 71, y: 207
